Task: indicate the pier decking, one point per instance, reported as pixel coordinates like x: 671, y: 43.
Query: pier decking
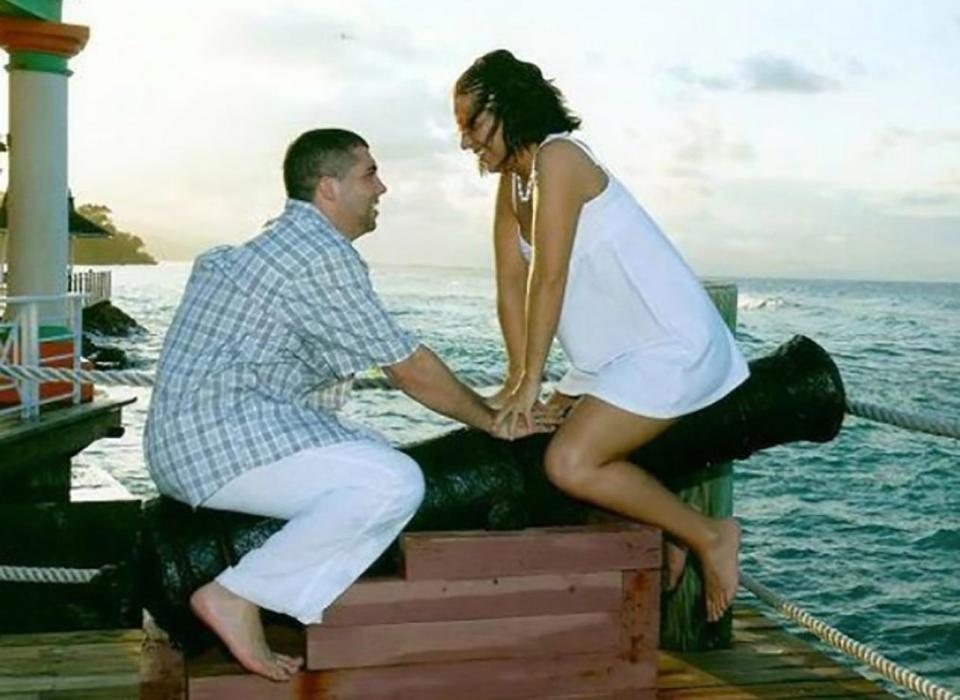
x: 765, y: 662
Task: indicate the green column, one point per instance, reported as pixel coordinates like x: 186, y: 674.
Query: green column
x: 683, y: 618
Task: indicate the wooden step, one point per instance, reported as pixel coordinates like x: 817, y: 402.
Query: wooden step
x: 459, y: 555
x: 544, y: 613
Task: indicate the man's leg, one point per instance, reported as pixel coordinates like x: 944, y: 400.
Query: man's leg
x: 345, y: 504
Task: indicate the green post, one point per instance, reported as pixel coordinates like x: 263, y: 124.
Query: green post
x: 683, y: 618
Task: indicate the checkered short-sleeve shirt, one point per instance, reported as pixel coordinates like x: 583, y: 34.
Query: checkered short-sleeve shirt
x: 261, y: 353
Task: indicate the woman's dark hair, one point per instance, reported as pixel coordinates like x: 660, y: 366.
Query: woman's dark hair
x: 528, y: 105
x: 315, y: 154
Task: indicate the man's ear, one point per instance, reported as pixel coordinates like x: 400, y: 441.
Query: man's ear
x: 327, y: 189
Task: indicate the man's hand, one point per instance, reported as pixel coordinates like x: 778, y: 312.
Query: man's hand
x: 541, y: 423
x: 522, y: 413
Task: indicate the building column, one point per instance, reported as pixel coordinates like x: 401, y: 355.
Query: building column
x: 37, y: 246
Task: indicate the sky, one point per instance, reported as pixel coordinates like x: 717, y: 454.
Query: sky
x: 796, y: 138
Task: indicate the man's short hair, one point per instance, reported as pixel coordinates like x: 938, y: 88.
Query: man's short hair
x: 315, y: 154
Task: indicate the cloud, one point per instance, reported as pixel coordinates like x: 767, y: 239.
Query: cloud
x: 895, y: 136
x: 705, y: 144
x: 687, y: 75
x: 789, y: 228
x: 762, y: 73
x: 768, y: 73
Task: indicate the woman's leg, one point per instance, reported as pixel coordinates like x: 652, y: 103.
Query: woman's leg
x: 586, y: 459
x: 344, y: 503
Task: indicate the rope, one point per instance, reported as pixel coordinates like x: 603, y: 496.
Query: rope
x: 135, y: 378
x: 879, y: 663
x: 115, y: 378
x: 922, y: 423
x: 46, y: 574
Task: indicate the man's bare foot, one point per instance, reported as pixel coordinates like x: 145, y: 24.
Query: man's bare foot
x: 675, y: 556
x: 237, y: 622
x: 721, y: 569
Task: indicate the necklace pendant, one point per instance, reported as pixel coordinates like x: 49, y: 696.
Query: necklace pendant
x: 524, y: 189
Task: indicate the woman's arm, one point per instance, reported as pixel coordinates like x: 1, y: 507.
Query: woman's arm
x: 511, y: 275
x: 566, y: 179
x: 561, y: 192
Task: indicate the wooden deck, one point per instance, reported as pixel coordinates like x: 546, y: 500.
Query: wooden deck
x: 765, y: 662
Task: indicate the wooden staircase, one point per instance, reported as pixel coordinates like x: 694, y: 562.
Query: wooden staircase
x: 569, y: 612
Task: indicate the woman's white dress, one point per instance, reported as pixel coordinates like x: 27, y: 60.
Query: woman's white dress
x: 636, y: 325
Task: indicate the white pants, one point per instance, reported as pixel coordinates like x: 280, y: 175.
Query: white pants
x: 345, y: 504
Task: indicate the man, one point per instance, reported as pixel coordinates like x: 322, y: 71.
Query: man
x: 258, y: 358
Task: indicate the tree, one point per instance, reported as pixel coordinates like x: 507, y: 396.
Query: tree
x: 122, y: 248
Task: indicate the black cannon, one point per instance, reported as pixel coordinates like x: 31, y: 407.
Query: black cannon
x: 477, y: 482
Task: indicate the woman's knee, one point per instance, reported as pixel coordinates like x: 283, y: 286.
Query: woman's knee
x: 567, y: 466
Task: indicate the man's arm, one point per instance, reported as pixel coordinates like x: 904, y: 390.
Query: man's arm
x: 427, y: 380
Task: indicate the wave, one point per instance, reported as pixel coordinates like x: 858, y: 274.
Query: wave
x: 746, y: 302
x: 944, y: 539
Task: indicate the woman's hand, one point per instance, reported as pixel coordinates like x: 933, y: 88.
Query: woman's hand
x: 498, y: 400
x: 516, y: 416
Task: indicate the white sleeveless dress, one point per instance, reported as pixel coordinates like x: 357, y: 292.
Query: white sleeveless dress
x: 636, y: 325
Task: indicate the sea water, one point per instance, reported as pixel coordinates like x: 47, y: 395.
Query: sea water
x: 863, y: 532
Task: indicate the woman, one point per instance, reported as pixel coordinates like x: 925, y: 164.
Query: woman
x: 578, y: 257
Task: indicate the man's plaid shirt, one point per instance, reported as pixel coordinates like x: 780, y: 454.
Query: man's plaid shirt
x: 261, y: 352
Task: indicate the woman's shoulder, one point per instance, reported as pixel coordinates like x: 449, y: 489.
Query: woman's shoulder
x: 563, y: 150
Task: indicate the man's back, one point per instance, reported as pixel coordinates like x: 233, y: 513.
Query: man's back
x: 262, y: 331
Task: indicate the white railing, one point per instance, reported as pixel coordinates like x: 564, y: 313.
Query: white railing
x: 95, y: 285
x: 58, y: 319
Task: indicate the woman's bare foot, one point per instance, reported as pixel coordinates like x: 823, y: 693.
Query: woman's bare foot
x: 721, y: 569
x: 237, y: 622
x: 675, y: 556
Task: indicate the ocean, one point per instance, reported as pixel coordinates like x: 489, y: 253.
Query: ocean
x: 863, y: 532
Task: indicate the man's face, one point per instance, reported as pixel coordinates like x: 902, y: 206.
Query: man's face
x: 357, y: 195
x: 479, y: 133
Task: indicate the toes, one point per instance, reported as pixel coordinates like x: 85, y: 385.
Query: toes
x: 268, y: 669
x: 288, y: 663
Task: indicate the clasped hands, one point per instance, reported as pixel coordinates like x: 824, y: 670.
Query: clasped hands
x: 521, y: 413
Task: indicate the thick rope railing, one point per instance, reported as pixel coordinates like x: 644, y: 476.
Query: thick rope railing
x: 124, y: 377
x: 138, y: 378
x: 919, y: 422
x: 879, y: 663
x: 46, y: 574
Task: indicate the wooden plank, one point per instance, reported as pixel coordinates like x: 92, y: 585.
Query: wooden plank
x: 97, y: 665
x: 599, y: 676
x: 720, y: 661
x: 640, y: 614
x: 459, y: 555
x: 461, y: 640
x: 59, y: 639
x: 396, y: 600
x: 861, y: 688
x: 162, y: 671
x: 696, y: 678
x: 646, y: 694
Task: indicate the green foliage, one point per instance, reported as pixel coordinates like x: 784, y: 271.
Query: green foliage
x: 122, y: 248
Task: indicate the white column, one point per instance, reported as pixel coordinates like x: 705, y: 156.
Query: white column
x: 37, y: 199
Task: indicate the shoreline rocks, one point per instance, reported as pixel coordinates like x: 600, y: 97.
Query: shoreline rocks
x: 103, y: 320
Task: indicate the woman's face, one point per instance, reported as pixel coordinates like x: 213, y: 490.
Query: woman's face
x: 480, y: 133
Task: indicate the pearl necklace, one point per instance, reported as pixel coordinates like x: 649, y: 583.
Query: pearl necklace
x: 524, y: 189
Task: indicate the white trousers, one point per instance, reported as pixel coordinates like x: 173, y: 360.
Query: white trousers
x: 345, y: 504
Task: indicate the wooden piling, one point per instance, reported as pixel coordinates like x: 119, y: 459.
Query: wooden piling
x: 684, y: 625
